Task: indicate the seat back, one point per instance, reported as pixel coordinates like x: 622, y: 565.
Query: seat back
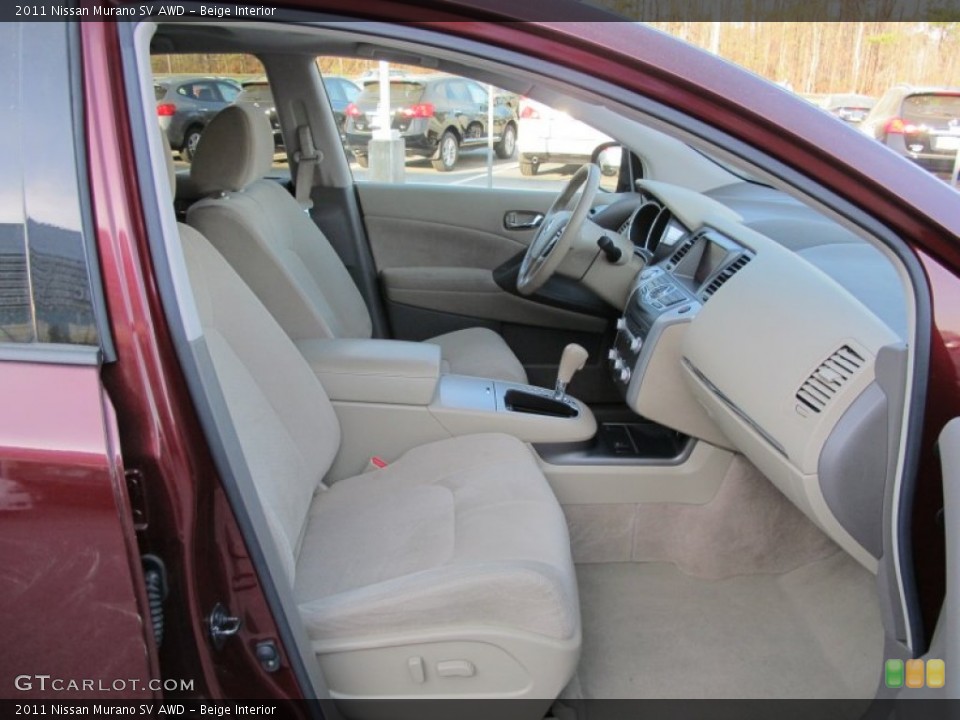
x: 284, y: 421
x: 264, y: 234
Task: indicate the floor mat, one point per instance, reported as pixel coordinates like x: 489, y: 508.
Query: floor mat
x: 650, y: 631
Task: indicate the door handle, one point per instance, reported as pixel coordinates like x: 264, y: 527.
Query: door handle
x: 522, y: 219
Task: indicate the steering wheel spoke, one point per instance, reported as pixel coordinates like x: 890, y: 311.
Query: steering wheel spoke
x: 559, y: 230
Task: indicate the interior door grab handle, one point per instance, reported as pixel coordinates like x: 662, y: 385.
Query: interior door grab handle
x: 522, y: 220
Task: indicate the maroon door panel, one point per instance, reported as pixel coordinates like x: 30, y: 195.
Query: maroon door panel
x: 70, y: 622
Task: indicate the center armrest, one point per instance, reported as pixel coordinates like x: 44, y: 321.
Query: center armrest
x: 375, y: 371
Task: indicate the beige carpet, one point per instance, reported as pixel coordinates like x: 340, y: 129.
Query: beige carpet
x: 651, y: 631
x: 748, y: 527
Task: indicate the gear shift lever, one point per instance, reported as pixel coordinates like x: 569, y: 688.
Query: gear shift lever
x: 573, y: 358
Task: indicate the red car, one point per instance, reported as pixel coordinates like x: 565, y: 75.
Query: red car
x: 272, y: 455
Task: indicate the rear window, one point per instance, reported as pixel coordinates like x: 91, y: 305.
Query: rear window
x: 159, y: 91
x: 931, y: 106
x: 403, y: 93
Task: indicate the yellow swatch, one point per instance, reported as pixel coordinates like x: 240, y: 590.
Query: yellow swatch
x: 936, y: 673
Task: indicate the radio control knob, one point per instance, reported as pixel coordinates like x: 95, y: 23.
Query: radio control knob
x: 625, y: 375
x: 621, y: 323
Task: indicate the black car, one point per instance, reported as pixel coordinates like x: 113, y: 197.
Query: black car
x: 922, y: 124
x: 436, y: 115
x: 186, y: 104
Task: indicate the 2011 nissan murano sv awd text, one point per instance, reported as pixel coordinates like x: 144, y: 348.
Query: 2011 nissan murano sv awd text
x: 688, y: 437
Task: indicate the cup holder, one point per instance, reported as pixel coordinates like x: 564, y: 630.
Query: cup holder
x: 532, y: 404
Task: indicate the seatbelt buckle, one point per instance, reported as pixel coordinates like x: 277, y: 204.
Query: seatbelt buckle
x: 376, y: 463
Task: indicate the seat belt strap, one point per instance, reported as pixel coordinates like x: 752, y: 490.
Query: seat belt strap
x: 307, y: 157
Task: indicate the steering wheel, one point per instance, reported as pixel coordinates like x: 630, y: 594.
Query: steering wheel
x: 558, y: 230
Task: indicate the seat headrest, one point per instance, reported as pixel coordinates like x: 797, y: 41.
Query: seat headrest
x: 235, y: 150
x: 168, y: 161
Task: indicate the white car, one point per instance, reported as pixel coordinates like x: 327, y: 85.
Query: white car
x: 546, y: 135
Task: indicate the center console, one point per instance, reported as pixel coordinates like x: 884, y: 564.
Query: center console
x: 646, y: 357
x: 390, y: 396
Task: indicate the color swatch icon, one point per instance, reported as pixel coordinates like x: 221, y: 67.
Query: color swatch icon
x: 936, y: 674
x: 893, y: 673
x: 914, y: 673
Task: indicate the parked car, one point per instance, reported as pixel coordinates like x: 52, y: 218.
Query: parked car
x: 436, y: 115
x: 849, y: 107
x: 256, y: 93
x: 341, y: 457
x: 373, y: 75
x: 340, y: 91
x: 185, y: 105
x: 546, y: 135
x: 921, y: 123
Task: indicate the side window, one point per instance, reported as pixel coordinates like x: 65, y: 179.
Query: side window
x: 206, y: 92
x: 534, y: 146
x: 457, y: 91
x: 228, y: 92
x: 203, y: 91
x: 45, y: 275
x: 477, y: 93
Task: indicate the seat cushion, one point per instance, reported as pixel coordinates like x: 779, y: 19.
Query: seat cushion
x: 479, y: 352
x: 464, y: 531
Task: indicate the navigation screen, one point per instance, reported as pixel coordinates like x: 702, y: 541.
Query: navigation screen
x: 712, y: 256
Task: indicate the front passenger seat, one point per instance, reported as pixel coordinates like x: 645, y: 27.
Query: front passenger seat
x: 282, y: 255
x: 446, y: 574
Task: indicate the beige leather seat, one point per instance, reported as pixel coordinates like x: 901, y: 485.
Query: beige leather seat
x: 448, y: 573
x: 282, y: 255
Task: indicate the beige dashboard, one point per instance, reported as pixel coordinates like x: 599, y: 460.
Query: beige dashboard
x: 769, y: 359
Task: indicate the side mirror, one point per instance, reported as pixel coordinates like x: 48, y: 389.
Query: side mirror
x: 608, y: 157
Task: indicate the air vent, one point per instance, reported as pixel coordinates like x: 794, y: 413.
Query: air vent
x: 680, y: 252
x: 828, y: 379
x: 727, y: 273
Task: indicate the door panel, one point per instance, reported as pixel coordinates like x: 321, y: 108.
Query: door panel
x: 946, y: 643
x: 444, y: 226
x: 436, y: 248
x: 70, y: 603
x: 473, y: 292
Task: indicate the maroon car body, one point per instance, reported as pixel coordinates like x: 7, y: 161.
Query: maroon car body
x: 101, y: 462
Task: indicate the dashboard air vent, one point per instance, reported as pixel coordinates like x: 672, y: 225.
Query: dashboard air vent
x: 680, y: 252
x: 724, y: 275
x: 828, y: 379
